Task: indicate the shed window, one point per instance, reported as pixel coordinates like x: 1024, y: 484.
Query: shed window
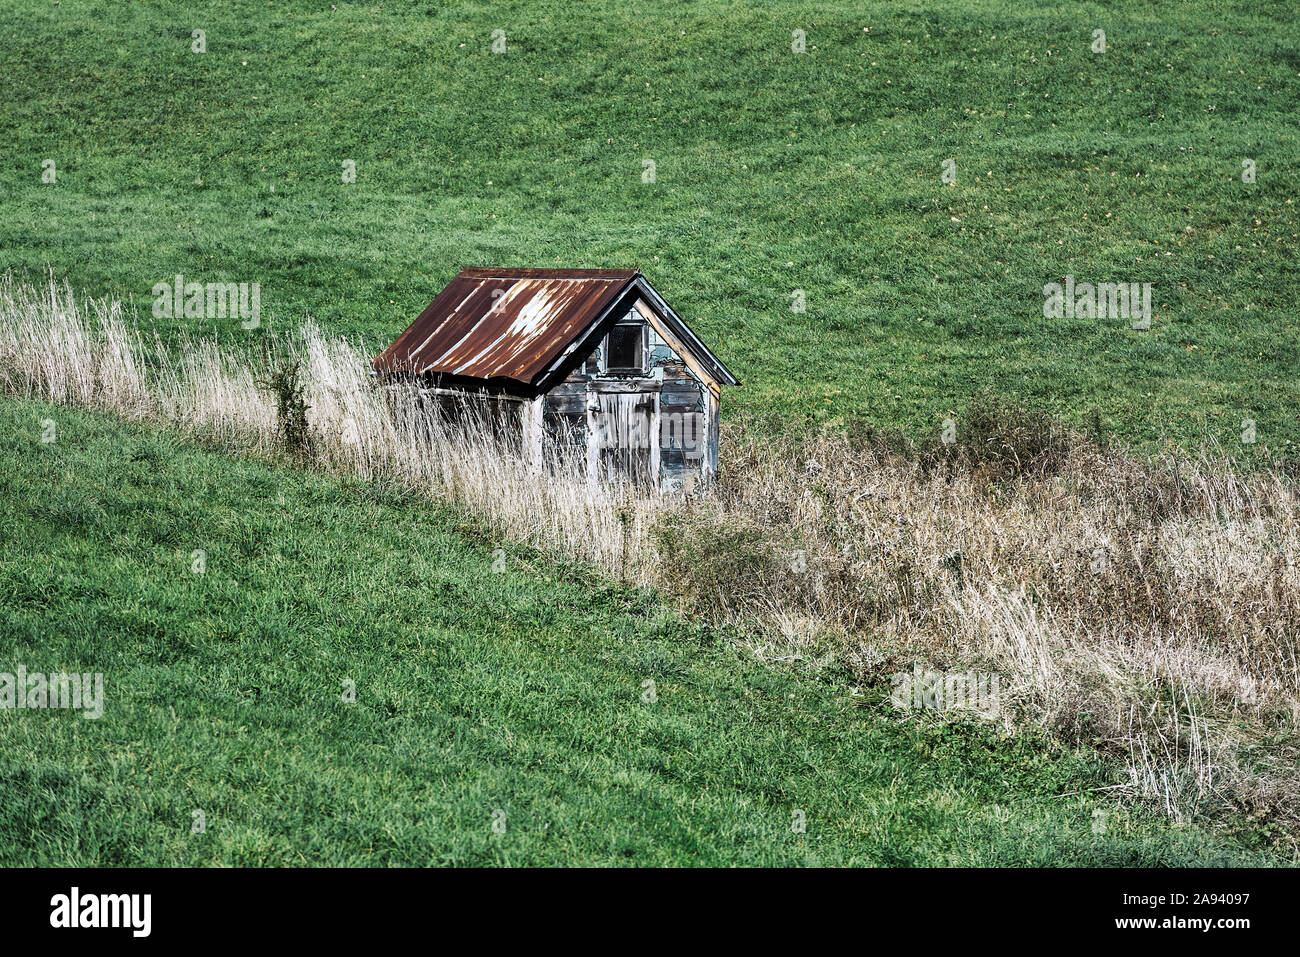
x: 625, y: 352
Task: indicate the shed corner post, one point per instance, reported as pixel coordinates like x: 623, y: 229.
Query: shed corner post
x: 532, y: 421
x: 711, y: 433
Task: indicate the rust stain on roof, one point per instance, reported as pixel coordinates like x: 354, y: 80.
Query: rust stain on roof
x: 504, y: 323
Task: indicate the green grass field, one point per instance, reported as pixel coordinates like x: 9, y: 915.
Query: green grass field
x: 517, y: 697
x: 521, y: 692
x: 775, y: 171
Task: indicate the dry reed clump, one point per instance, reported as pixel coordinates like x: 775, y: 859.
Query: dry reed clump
x: 1148, y: 608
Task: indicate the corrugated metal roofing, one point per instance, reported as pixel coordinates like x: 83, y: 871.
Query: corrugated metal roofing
x: 504, y: 323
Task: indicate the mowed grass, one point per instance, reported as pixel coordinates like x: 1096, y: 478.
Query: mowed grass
x: 774, y: 172
x: 481, y: 697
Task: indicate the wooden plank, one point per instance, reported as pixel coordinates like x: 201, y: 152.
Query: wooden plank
x: 625, y: 386
x: 711, y: 427
x: 676, y: 462
x: 568, y: 404
x: 685, y: 431
x: 691, y: 404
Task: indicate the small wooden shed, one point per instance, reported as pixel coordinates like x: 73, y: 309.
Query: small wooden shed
x: 589, y: 359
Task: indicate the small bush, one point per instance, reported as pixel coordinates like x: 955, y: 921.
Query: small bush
x: 999, y: 441
x: 717, y: 566
x: 285, y: 383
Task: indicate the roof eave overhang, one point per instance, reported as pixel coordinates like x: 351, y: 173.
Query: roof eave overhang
x: 722, y: 375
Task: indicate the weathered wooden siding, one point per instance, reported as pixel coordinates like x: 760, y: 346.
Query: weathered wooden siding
x: 681, y: 409
x: 564, y: 416
x: 681, y: 425
x: 504, y: 416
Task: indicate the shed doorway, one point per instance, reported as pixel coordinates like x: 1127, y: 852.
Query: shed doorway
x: 623, y: 428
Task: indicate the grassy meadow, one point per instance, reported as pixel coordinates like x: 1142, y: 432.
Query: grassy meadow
x: 501, y: 633
x: 476, y: 692
x: 774, y: 172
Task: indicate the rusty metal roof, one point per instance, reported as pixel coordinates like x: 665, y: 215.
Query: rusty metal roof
x: 505, y: 323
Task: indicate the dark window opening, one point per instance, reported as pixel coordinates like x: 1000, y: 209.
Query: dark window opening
x: 625, y: 349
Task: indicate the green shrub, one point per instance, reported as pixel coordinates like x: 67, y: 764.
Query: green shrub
x: 285, y: 383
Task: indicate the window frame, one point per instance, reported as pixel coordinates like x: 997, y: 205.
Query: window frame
x: 641, y: 346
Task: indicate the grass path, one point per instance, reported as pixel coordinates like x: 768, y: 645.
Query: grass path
x: 476, y: 692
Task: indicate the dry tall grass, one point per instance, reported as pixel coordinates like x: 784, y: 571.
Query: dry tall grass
x: 1148, y: 608
x: 57, y: 347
